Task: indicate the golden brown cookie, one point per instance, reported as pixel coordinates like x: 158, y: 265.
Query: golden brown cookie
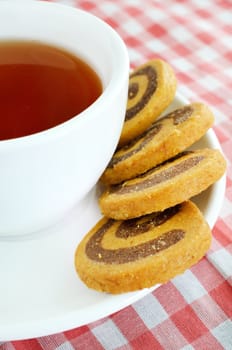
x: 123, y: 256
x: 152, y: 88
x: 167, y: 137
x: 166, y: 185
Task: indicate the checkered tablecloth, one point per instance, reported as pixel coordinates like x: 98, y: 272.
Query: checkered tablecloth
x: 194, y: 310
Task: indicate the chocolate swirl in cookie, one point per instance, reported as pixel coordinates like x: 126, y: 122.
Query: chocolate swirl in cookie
x: 95, y: 251
x: 129, y: 150
x: 156, y: 178
x: 178, y: 116
x: 151, y: 76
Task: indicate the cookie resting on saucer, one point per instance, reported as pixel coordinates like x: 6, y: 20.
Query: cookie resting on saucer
x: 152, y: 87
x: 124, y: 256
x: 166, y: 137
x: 164, y: 186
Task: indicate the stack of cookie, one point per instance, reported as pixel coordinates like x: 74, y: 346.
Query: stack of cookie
x: 151, y: 231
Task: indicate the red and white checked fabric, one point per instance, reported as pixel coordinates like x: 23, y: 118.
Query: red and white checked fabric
x: 194, y: 310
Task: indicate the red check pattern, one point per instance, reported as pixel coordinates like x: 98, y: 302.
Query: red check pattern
x: 194, y: 310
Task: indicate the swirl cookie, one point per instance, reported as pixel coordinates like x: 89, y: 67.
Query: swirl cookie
x: 163, y: 186
x: 152, y: 88
x: 123, y: 256
x: 167, y: 137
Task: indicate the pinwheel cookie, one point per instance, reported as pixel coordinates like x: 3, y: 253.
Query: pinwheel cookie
x: 167, y: 137
x: 123, y: 256
x: 152, y: 88
x: 164, y: 186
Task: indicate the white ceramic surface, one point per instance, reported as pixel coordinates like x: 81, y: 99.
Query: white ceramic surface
x: 44, y: 175
x: 40, y: 293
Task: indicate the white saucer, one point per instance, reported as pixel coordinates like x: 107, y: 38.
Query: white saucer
x: 40, y: 293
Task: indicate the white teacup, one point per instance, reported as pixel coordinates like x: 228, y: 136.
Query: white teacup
x: 44, y: 175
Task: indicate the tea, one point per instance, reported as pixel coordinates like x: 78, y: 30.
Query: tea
x: 42, y: 86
